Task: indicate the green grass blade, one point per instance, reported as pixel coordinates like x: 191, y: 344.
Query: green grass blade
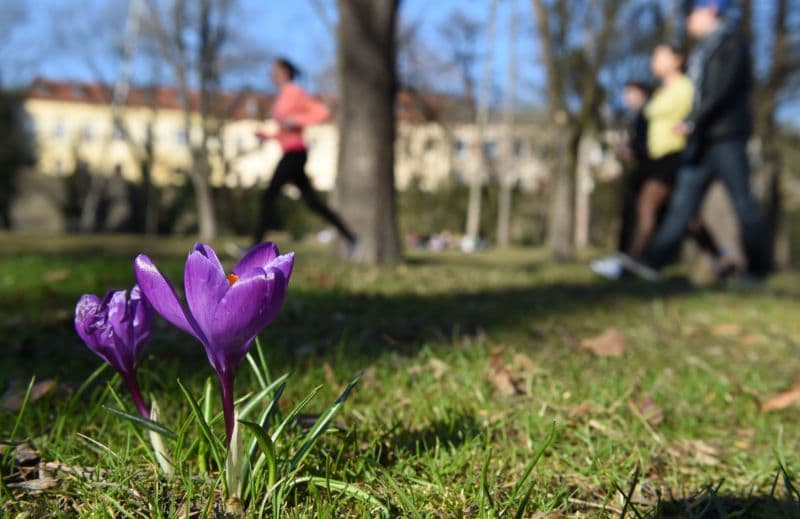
x: 262, y: 359
x: 214, y: 444
x: 348, y: 489
x: 256, y: 399
x: 486, y: 495
x: 267, y: 447
x: 551, y: 437
x: 262, y: 383
x: 23, y: 407
x: 294, y: 412
x: 143, y: 422
x: 321, y: 425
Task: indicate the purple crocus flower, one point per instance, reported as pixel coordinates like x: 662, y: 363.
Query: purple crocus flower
x: 116, y: 328
x: 225, y: 313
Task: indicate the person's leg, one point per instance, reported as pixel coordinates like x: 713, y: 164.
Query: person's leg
x: 699, y: 232
x: 653, y: 196
x: 629, y: 198
x: 731, y: 164
x: 268, y: 216
x: 690, y: 188
x: 315, y: 203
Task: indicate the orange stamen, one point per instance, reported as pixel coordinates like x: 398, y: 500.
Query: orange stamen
x: 232, y: 278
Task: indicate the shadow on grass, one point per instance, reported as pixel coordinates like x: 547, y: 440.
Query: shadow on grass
x: 357, y: 327
x: 402, y: 441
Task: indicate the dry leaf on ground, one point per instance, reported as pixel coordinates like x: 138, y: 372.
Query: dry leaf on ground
x: 649, y: 410
x: 12, y: 400
x: 782, y: 400
x: 726, y: 330
x: 438, y: 367
x: 54, y: 276
x: 698, y: 451
x: 501, y: 377
x: 610, y: 343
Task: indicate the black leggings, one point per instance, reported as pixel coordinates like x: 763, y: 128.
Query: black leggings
x: 291, y: 168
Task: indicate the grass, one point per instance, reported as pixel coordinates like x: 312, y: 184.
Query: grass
x: 430, y: 430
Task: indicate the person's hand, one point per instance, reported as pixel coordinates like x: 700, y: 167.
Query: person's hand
x: 684, y: 129
x: 288, y: 123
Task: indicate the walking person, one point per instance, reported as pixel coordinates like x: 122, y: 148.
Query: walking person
x: 633, y: 154
x: 717, y: 130
x: 294, y: 109
x: 669, y: 105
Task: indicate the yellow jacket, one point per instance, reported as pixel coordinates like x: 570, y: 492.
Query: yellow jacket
x: 669, y: 106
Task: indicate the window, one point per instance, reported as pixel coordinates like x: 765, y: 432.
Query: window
x: 517, y: 147
x: 251, y: 107
x: 490, y: 149
x: 86, y: 132
x: 430, y: 144
x: 59, y: 170
x: 118, y: 132
x: 181, y: 137
x: 458, y: 146
x: 59, y: 129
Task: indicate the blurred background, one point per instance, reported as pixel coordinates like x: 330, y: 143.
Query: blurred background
x: 139, y: 116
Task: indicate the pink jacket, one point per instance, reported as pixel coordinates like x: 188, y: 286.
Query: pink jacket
x: 294, y: 109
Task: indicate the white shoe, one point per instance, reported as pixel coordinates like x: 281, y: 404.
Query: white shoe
x: 609, y: 268
x: 638, y: 268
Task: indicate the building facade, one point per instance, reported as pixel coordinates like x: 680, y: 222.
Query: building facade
x: 73, y: 126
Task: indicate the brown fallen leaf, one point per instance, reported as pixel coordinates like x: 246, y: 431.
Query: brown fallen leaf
x: 12, y: 400
x: 54, y: 276
x: 438, y: 367
x: 726, y: 330
x: 501, y: 377
x: 35, y: 485
x: 649, y: 410
x: 522, y: 362
x: 782, y: 400
x: 610, y: 343
x: 580, y: 410
x: 330, y: 377
x: 698, y: 451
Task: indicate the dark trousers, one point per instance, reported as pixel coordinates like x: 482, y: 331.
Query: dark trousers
x: 726, y: 160
x: 630, y: 200
x: 291, y: 168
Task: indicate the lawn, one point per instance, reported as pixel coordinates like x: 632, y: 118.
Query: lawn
x: 468, y: 364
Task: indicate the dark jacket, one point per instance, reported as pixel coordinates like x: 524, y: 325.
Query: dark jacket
x: 722, y: 110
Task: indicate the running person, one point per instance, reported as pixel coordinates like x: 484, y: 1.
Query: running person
x: 293, y: 110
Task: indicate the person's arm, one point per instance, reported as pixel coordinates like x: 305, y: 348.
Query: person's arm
x: 734, y: 58
x: 307, y: 110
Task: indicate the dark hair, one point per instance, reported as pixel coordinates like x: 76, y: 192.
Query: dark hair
x: 638, y: 84
x: 288, y: 66
x: 678, y: 49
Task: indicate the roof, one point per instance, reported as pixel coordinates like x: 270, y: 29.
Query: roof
x: 412, y: 106
x: 245, y: 104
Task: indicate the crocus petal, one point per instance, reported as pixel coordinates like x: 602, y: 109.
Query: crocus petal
x: 209, y: 253
x: 256, y: 258
x: 118, y: 316
x: 85, y: 313
x: 142, y: 316
x: 205, y: 284
x: 283, y: 263
x: 160, y: 293
x: 250, y: 305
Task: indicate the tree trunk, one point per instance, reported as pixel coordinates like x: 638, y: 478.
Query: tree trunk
x: 583, y: 192
x: 560, y: 225
x: 473, y: 229
x: 506, y: 176
x: 368, y: 87
x: 206, y: 219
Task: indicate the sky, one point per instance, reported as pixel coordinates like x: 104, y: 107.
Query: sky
x: 50, y: 38
x: 294, y: 29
